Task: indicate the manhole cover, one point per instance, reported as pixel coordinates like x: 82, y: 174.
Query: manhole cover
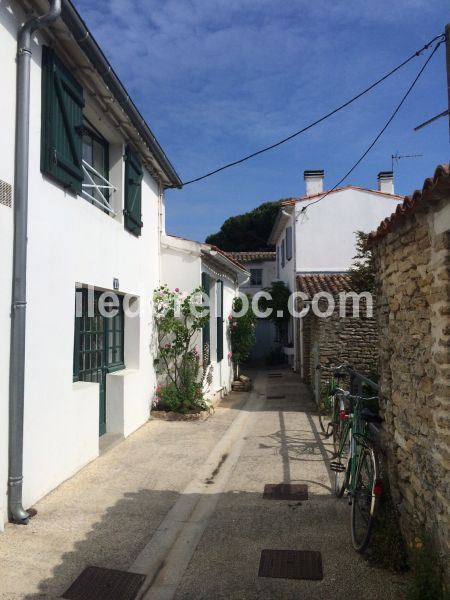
x: 96, y: 583
x: 275, y: 397
x: 291, y: 564
x: 272, y: 375
x: 286, y: 491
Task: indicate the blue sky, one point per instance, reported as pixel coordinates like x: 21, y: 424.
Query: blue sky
x: 218, y: 79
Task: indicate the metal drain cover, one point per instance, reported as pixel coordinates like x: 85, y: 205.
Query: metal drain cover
x: 96, y: 583
x: 291, y: 564
x: 274, y: 397
x: 272, y: 375
x: 285, y: 491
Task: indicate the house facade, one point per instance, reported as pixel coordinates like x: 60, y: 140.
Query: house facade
x: 187, y: 265
x: 321, y: 239
x: 95, y: 203
x: 262, y: 269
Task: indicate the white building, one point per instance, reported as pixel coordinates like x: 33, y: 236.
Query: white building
x: 83, y: 376
x: 262, y: 269
x: 315, y: 233
x: 186, y: 264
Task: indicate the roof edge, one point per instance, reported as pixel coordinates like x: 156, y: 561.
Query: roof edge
x: 94, y: 53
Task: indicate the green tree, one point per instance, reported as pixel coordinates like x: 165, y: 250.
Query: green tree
x: 249, y: 231
x: 362, y: 271
x: 242, y: 331
x: 279, y: 303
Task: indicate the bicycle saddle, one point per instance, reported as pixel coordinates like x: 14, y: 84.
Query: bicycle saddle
x: 370, y: 416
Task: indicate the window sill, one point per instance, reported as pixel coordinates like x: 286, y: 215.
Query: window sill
x: 82, y: 385
x: 123, y: 372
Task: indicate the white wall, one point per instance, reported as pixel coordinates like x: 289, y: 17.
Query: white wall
x: 268, y: 275
x: 69, y: 241
x: 325, y: 240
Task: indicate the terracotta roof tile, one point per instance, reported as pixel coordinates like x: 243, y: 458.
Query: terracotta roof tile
x: 332, y: 283
x: 250, y: 256
x: 433, y: 190
x: 340, y: 189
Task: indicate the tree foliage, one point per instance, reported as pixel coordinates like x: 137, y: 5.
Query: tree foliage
x: 249, y: 231
x: 362, y: 271
x: 242, y: 331
x: 279, y: 304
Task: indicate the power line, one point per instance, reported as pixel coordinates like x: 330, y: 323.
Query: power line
x: 386, y: 125
x: 314, y: 123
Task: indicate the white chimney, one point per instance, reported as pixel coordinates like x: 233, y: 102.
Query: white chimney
x: 386, y: 182
x: 313, y: 182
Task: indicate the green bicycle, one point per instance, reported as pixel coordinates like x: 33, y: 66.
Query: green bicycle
x: 356, y: 466
x: 329, y: 407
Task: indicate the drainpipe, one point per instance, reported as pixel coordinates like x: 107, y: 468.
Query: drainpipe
x: 16, y: 512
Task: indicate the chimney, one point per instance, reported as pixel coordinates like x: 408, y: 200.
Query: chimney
x: 386, y: 182
x: 313, y: 182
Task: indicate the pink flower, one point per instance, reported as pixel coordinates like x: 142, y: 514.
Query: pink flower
x: 167, y: 346
x: 230, y: 317
x: 158, y: 388
x: 177, y: 290
x: 230, y: 354
x: 235, y: 324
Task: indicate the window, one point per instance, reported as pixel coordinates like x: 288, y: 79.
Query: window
x: 219, y: 312
x: 288, y: 243
x: 61, y: 123
x: 96, y: 187
x: 278, y: 262
x: 255, y: 276
x: 98, y: 340
x: 206, y: 285
x: 283, y: 255
x: 133, y: 193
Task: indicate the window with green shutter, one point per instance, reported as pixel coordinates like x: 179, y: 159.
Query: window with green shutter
x: 220, y: 328
x: 206, y: 332
x: 61, y: 123
x: 133, y: 193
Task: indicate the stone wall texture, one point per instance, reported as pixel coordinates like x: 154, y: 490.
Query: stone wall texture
x: 340, y: 340
x: 413, y: 315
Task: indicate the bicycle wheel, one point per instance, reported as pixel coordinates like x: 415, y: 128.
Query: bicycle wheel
x: 365, y: 497
x: 342, y: 475
x: 338, y: 426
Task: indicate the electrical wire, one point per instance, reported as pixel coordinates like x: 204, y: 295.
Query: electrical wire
x: 320, y: 120
x: 386, y: 125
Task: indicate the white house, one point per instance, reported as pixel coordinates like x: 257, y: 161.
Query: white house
x: 262, y: 268
x: 187, y: 265
x: 96, y: 179
x: 320, y: 238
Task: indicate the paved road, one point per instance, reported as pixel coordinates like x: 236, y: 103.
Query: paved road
x: 182, y: 503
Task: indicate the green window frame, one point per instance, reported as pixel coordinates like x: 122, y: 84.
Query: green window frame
x: 220, y: 320
x: 95, y: 151
x: 288, y: 243
x: 61, y: 123
x: 98, y: 340
x: 256, y: 277
x: 206, y: 331
x: 133, y: 193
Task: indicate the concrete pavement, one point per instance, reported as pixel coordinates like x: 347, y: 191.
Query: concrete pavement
x: 182, y: 503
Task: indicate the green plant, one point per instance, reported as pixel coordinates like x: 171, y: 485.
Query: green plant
x: 279, y: 305
x: 179, y: 319
x: 362, y: 271
x: 242, y: 330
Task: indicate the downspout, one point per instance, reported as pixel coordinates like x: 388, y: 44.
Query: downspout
x: 16, y: 512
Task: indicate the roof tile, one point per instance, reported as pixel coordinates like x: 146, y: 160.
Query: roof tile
x: 332, y: 283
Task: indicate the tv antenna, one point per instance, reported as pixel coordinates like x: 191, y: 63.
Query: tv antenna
x: 396, y: 157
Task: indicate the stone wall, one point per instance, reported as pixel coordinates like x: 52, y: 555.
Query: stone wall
x: 413, y: 313
x: 351, y: 340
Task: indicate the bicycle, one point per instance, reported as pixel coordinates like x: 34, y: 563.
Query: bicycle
x: 328, y: 407
x: 356, y: 467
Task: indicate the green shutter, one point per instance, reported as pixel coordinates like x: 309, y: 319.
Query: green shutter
x: 206, y: 337
x: 219, y: 321
x: 61, y: 123
x: 133, y: 193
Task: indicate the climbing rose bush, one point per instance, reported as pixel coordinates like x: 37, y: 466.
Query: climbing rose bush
x: 242, y: 331
x: 183, y: 378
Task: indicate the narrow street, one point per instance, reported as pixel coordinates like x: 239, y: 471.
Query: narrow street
x: 182, y: 504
